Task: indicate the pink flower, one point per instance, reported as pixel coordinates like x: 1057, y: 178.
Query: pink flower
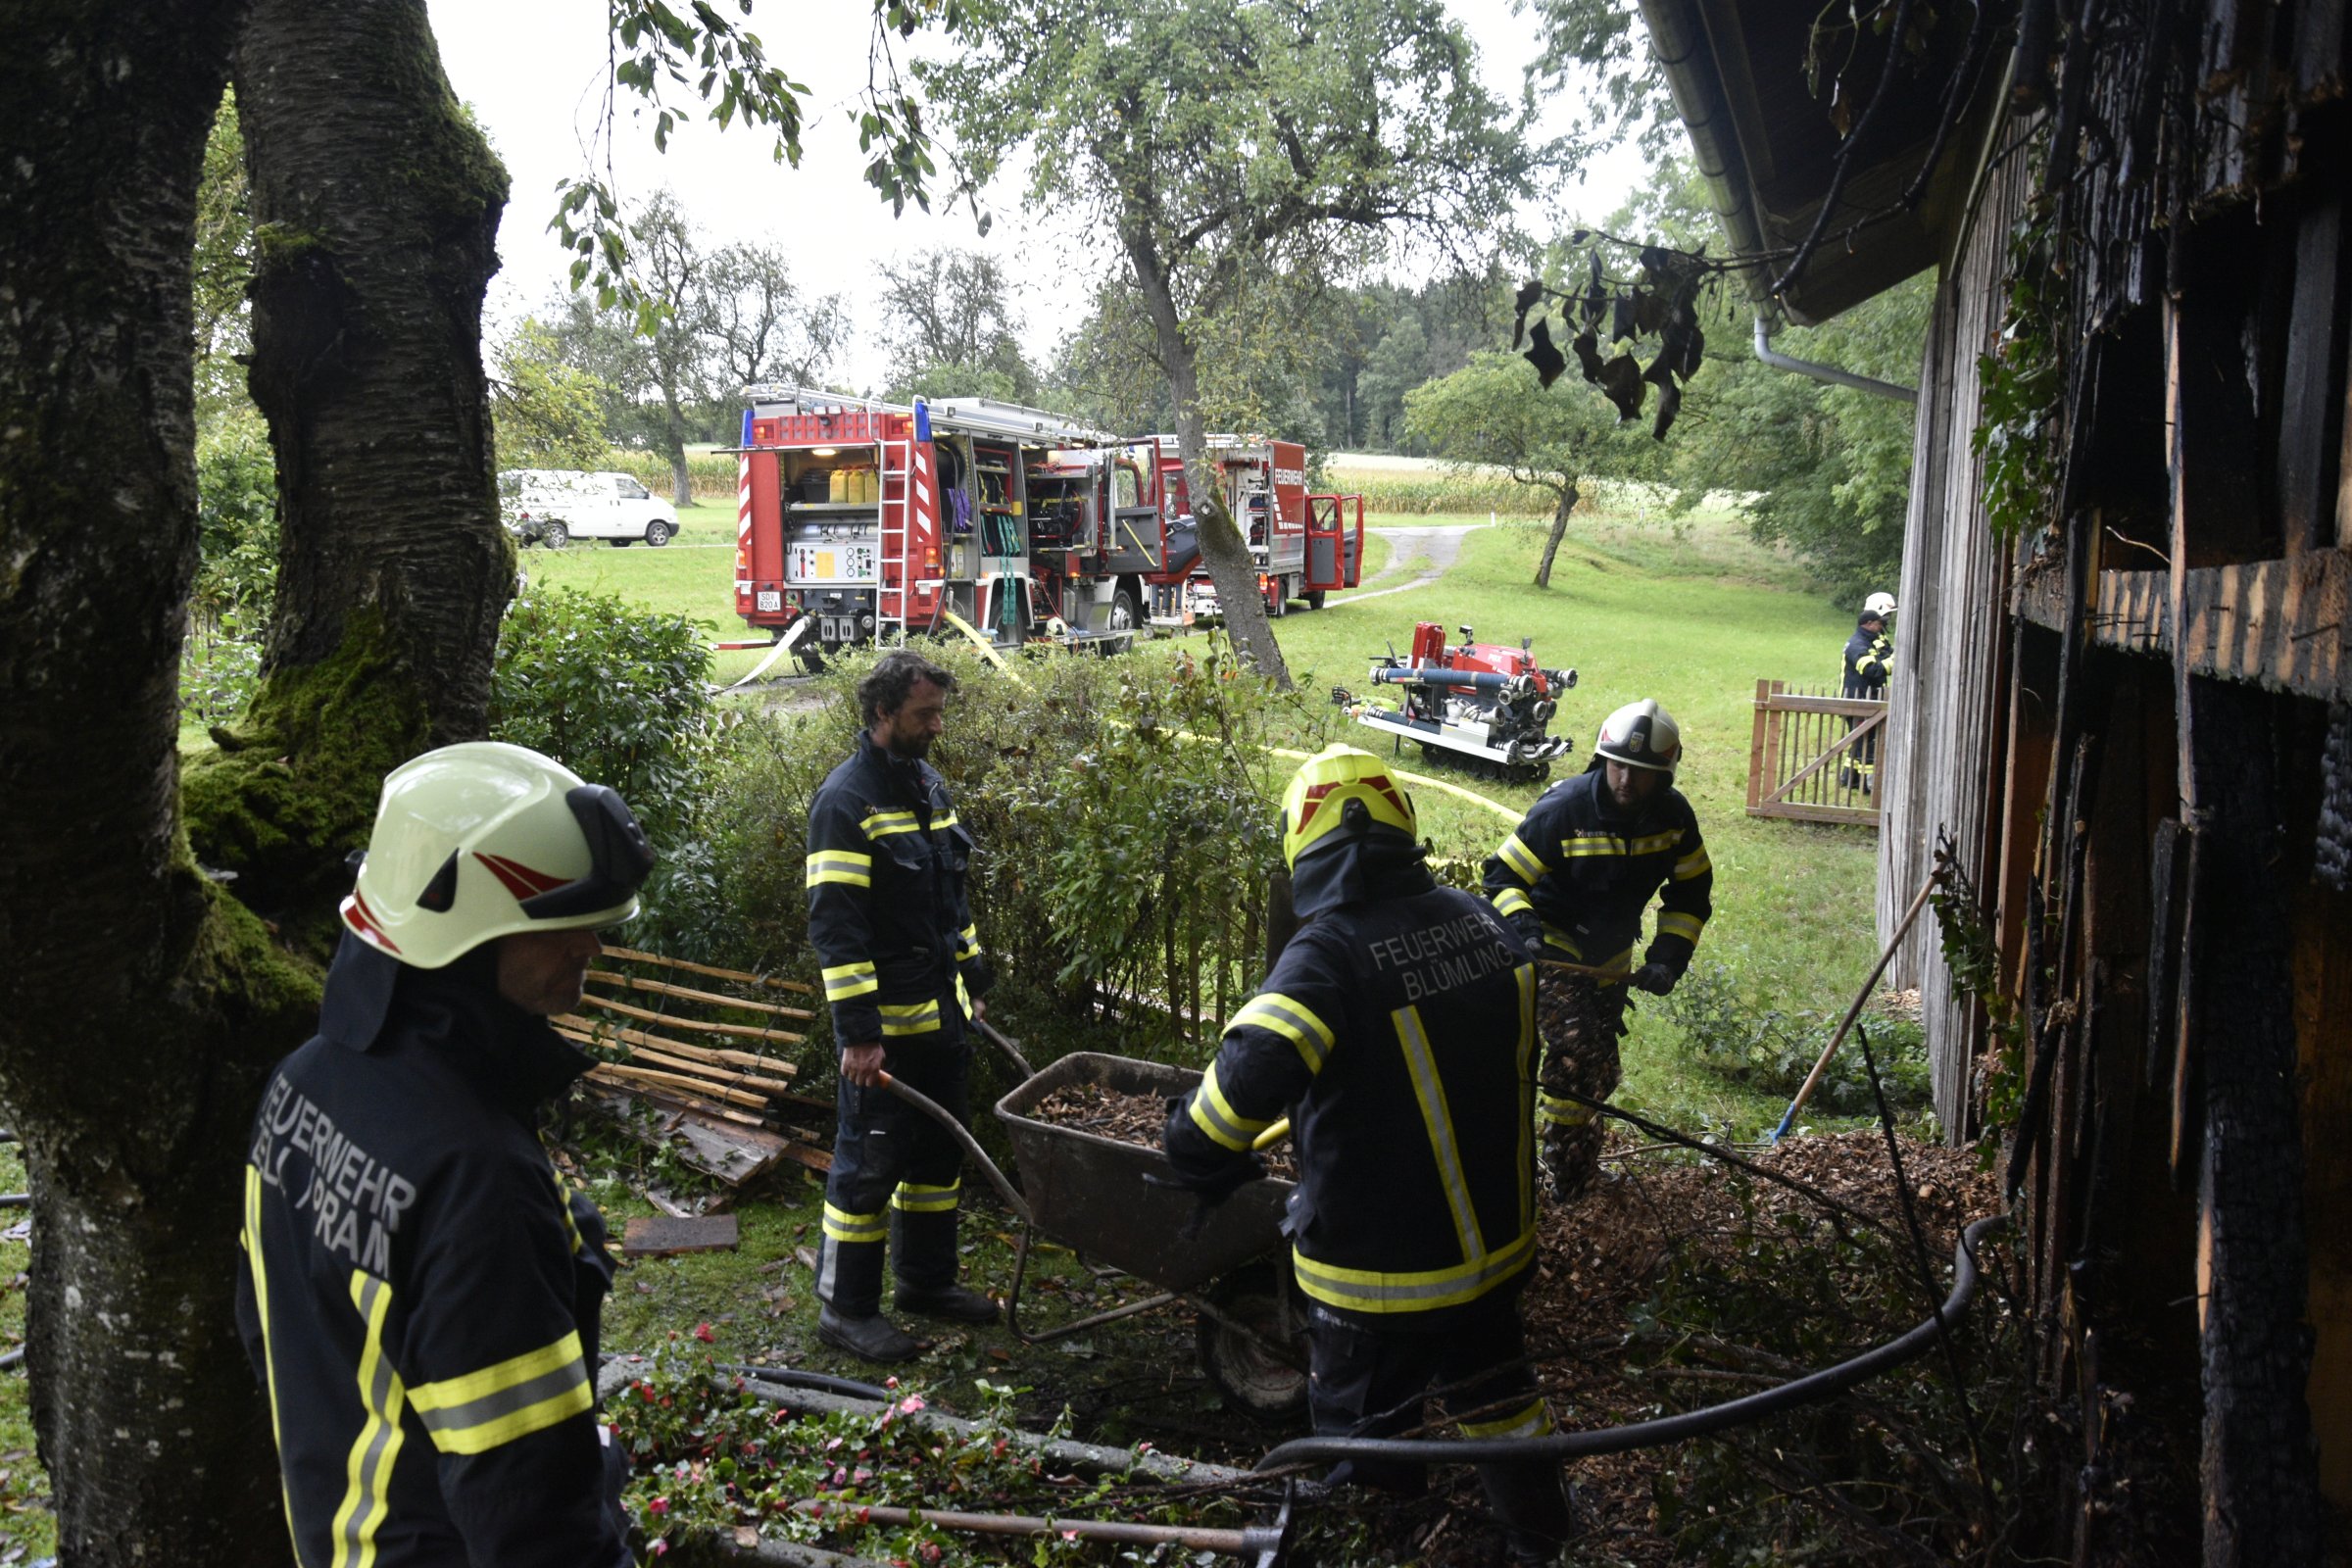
x: 702, y: 1332
x: 911, y: 1404
x: 660, y: 1505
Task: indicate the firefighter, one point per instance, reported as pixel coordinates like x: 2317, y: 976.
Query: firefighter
x: 1396, y: 1029
x: 420, y: 1293
x: 1572, y: 880
x: 889, y: 917
x: 1869, y: 662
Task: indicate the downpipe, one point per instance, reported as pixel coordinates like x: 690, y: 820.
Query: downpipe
x: 1808, y: 1390
x: 1768, y: 355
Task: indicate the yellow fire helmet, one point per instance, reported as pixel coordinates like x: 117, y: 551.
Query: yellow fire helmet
x: 1316, y: 802
x: 1641, y: 735
x: 483, y: 840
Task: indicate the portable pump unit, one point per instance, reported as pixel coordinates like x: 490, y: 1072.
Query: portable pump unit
x: 1481, y: 704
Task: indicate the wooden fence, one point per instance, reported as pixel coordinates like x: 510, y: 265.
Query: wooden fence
x: 1813, y: 754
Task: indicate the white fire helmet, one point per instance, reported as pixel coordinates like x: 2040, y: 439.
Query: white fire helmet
x: 483, y: 840
x: 1640, y: 735
x: 1879, y: 605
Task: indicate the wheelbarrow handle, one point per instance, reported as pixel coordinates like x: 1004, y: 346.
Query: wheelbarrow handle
x: 972, y: 1145
x: 1011, y: 1047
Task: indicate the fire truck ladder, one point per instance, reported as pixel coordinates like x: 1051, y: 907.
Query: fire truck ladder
x: 895, y: 572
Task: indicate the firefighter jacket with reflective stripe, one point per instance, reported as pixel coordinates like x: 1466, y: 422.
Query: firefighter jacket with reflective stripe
x: 1869, y: 661
x: 888, y: 912
x: 1398, y: 1035
x: 419, y: 1294
x: 1575, y: 877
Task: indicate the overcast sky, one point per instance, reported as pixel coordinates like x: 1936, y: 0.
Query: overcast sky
x: 534, y: 72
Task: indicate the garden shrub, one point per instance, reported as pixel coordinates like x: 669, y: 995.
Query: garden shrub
x: 1771, y: 1050
x: 619, y: 696
x: 236, y: 567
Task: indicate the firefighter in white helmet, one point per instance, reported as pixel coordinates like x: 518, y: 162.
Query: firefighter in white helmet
x: 420, y: 1293
x: 1574, y: 879
x: 1396, y: 1031
x: 1869, y: 662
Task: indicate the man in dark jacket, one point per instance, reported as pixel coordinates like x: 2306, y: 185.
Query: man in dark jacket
x: 1869, y: 661
x: 1398, y: 1031
x: 1574, y: 880
x: 419, y: 1292
x: 892, y: 925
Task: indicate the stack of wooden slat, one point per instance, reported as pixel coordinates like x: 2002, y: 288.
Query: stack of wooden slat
x: 723, y: 1100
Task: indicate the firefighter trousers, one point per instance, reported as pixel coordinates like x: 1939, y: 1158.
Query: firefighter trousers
x: 895, y: 1181
x: 1372, y: 1382
x: 1580, y: 1020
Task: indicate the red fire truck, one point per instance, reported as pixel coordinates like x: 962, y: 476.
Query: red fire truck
x: 857, y: 519
x: 1304, y: 546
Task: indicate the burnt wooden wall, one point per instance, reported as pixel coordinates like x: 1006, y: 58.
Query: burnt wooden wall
x: 2123, y: 725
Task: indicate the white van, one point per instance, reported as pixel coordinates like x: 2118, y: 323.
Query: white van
x: 555, y: 506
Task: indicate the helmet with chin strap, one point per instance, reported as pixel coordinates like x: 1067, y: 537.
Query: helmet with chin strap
x: 1318, y: 803
x: 1879, y: 607
x: 483, y: 840
x: 1641, y: 735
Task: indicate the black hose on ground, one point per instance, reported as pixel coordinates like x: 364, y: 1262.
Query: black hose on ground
x: 16, y: 1200
x: 1807, y: 1390
x: 792, y: 1378
x: 13, y: 1358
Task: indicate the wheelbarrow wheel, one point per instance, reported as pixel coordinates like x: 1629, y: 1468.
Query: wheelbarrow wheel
x: 1238, y: 1353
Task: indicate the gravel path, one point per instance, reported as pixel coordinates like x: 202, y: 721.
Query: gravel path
x: 1427, y: 552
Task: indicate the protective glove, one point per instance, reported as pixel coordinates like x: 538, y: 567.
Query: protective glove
x: 1655, y: 978
x: 1209, y: 1188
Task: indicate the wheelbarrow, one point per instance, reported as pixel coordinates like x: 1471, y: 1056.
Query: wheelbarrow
x: 1119, y: 1203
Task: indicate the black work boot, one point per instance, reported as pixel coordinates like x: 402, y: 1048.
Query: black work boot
x: 869, y: 1339
x: 958, y: 1304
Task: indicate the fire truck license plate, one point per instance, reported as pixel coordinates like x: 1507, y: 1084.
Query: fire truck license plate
x: 770, y: 598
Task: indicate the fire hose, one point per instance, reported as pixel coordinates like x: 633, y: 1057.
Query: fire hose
x: 1808, y: 1390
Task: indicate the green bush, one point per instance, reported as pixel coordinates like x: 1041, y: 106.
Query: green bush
x: 619, y: 696
x: 1116, y: 861
x: 1772, y: 1050
x: 236, y: 566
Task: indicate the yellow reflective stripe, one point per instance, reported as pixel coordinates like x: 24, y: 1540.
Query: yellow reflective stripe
x: 913, y: 1198
x: 883, y: 823
x: 1686, y: 926
x: 967, y: 942
x: 571, y: 1226
x: 1510, y: 900
x: 845, y: 867
x: 909, y: 1018
x: 1437, y: 1119
x: 514, y: 1399
x: 1554, y: 937
x: 367, y: 1471
x: 1691, y: 864
x: 1514, y: 853
x: 1533, y: 1422
x: 1370, y: 1290
x: 948, y: 820
x: 1558, y: 1113
x: 846, y: 980
x: 1585, y: 844
x: 964, y: 997
x: 1273, y: 1011
x: 261, y: 1307
x: 1656, y: 842
x: 841, y: 1226
x: 1525, y: 975
x: 1214, y: 1115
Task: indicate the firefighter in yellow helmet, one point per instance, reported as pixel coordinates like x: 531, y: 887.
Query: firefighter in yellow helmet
x: 1396, y: 1030
x: 420, y: 1293
x: 1574, y: 880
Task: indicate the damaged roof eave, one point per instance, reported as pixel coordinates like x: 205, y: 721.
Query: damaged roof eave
x: 1678, y: 38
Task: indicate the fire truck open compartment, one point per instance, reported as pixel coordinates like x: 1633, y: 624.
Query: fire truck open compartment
x: 859, y: 520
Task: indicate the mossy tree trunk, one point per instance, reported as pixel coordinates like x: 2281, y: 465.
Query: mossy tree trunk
x: 375, y: 209
x: 141, y: 1006
x: 138, y: 1007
